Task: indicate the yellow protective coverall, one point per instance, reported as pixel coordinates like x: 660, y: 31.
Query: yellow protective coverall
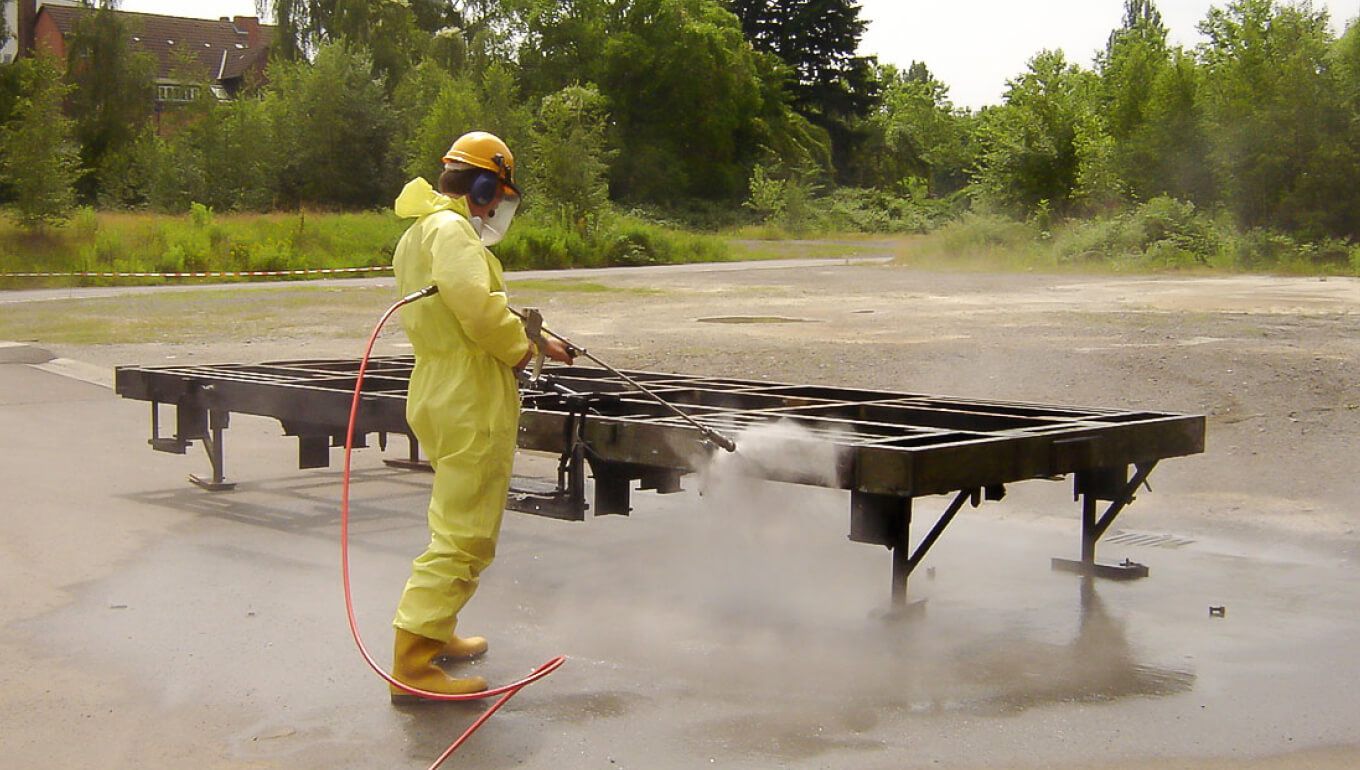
x: 463, y: 403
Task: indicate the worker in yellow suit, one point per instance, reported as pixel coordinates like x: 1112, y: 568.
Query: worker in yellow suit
x: 463, y: 403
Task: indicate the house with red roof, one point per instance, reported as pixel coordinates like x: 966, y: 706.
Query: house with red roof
x: 227, y: 52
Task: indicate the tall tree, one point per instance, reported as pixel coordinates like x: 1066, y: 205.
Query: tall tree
x: 112, y: 90
x: 694, y: 106
x: 1134, y: 55
x: 818, y: 39
x: 1168, y: 152
x: 1149, y: 103
x: 569, y: 141
x: 37, y: 150
x: 297, y: 26
x: 455, y: 108
x: 386, y: 29
x: 1273, y: 105
x: 788, y: 141
x: 225, y: 156
x: 1345, y: 58
x: 917, y: 134
x: 1030, y: 151
x: 685, y: 91
x: 1141, y: 17
x: 563, y: 42
x: 434, y: 15
x: 334, y: 129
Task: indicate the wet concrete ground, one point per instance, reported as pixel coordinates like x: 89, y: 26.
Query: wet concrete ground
x: 147, y: 623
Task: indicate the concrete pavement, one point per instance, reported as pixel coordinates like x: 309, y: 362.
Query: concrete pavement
x: 16, y: 296
x: 147, y: 623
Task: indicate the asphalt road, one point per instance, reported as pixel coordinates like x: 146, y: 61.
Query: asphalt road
x: 16, y: 296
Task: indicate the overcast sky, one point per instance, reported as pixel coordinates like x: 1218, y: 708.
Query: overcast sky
x: 972, y: 45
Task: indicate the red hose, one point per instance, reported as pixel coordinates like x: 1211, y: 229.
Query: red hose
x: 506, y: 691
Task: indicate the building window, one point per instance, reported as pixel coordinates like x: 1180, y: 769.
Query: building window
x: 176, y: 93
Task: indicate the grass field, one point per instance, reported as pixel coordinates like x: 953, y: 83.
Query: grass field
x: 124, y: 242
x: 1157, y: 237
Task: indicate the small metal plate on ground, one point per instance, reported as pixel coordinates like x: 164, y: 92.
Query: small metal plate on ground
x: 754, y: 319
x: 902, y: 613
x: 1125, y: 570
x: 543, y: 498
x: 210, y: 485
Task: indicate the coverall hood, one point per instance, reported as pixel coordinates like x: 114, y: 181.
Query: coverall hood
x: 419, y: 198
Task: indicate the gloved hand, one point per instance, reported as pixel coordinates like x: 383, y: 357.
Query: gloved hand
x: 558, y: 351
x: 555, y: 349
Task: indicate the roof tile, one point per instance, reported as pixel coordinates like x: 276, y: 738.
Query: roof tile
x: 169, y: 37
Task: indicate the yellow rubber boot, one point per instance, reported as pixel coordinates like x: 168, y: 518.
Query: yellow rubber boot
x: 459, y: 648
x: 413, y: 664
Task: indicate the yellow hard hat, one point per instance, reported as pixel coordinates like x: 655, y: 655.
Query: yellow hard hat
x: 485, y: 151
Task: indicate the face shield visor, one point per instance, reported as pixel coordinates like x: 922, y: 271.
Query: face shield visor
x: 497, y: 223
x: 503, y: 195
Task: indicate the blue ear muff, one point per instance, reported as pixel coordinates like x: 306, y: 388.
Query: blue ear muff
x: 484, y: 188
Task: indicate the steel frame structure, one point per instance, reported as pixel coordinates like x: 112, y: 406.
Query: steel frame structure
x: 891, y: 447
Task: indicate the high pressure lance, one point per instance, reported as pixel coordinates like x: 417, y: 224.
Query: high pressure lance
x: 533, y: 326
x: 537, y: 332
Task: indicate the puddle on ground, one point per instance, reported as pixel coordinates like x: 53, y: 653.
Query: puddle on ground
x: 584, y: 707
x: 754, y: 319
x: 782, y: 736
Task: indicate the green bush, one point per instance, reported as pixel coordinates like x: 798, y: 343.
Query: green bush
x: 880, y: 211
x: 1097, y: 240
x: 1258, y: 249
x: 1162, y: 233
x: 541, y: 245
x: 766, y: 198
x: 618, y: 241
x: 985, y: 232
x: 641, y: 243
x: 1168, y: 255
x: 1176, y: 224
x: 1329, y: 254
x: 693, y: 214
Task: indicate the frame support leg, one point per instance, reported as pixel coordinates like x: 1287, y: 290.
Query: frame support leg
x: 902, y: 564
x: 1094, y: 486
x: 886, y: 520
x: 218, y: 421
